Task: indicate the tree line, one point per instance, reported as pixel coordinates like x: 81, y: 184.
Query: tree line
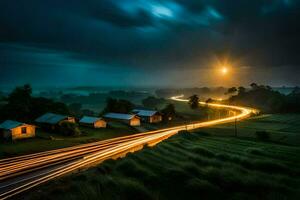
x: 266, y: 99
x: 20, y: 105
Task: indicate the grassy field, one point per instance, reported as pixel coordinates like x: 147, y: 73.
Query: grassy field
x: 283, y: 128
x: 206, y: 164
x: 48, y: 141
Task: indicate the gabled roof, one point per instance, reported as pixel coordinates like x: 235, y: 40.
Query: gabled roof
x: 50, y: 118
x: 119, y: 116
x: 144, y: 113
x: 89, y: 120
x: 10, y: 124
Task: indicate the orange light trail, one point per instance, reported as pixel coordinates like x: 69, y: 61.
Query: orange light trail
x: 21, y: 173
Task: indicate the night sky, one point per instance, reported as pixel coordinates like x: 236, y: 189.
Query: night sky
x: 176, y: 43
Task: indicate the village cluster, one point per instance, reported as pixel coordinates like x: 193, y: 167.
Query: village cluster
x: 17, y: 130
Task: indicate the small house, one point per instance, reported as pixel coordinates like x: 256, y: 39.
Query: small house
x: 16, y: 130
x: 51, y: 120
x: 130, y: 119
x: 94, y: 122
x: 149, y: 116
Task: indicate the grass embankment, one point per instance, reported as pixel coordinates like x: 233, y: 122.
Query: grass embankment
x: 47, y: 141
x: 191, y: 166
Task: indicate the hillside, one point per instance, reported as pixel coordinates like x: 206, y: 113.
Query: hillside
x: 189, y: 166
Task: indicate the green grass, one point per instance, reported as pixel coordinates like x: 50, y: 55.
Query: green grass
x: 47, y: 141
x: 196, y: 165
x: 283, y: 128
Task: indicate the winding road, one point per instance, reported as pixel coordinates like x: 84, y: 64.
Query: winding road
x: 21, y: 173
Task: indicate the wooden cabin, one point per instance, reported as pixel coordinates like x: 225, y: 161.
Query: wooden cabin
x: 51, y: 120
x: 130, y: 119
x: 16, y: 130
x: 94, y: 122
x: 149, y: 116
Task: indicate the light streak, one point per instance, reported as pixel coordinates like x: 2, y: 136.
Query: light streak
x: 21, y: 173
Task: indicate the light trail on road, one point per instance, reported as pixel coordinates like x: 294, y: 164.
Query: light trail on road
x: 21, y: 173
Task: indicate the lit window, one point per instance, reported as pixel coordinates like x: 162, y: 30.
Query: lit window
x: 24, y: 130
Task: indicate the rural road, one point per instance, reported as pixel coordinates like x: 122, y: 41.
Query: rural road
x: 21, y: 173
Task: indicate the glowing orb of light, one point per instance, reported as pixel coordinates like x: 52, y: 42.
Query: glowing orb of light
x: 224, y: 70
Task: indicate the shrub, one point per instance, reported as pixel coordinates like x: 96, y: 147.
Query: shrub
x: 262, y: 135
x: 69, y: 129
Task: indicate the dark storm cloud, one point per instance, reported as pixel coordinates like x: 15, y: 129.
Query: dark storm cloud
x: 112, y: 13
x: 148, y: 33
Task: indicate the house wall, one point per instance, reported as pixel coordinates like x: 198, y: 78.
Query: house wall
x: 70, y: 119
x: 155, y: 119
x: 100, y: 124
x: 16, y: 133
x: 135, y: 122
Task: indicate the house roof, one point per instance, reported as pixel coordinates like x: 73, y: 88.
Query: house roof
x: 50, y: 118
x: 89, y: 120
x: 10, y: 124
x: 144, y: 113
x: 119, y: 116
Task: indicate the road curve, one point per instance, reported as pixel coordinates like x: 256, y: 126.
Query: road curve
x: 21, y: 173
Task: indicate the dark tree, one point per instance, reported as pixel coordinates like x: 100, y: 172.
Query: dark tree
x: 241, y: 90
x: 43, y: 105
x: 75, y: 108
x: 124, y: 106
x: 69, y: 129
x: 293, y: 101
x: 118, y: 106
x: 20, y: 94
x: 23, y: 107
x: 168, y: 112
x: 18, y: 105
x: 266, y: 99
x: 152, y: 102
x: 209, y: 100
x: 254, y: 86
x: 231, y: 90
x: 110, y: 105
x: 194, y: 101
